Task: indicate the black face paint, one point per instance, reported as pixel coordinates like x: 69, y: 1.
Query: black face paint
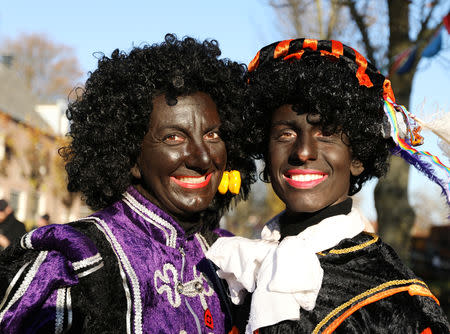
x: 309, y: 170
x: 182, y: 156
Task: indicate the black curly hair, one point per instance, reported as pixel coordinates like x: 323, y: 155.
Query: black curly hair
x: 323, y: 84
x: 109, y: 119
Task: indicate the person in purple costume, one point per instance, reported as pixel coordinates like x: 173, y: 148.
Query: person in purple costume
x: 152, y: 133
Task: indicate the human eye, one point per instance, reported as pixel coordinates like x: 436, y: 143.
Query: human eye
x: 328, y: 136
x: 286, y: 135
x: 212, y: 136
x: 174, y: 139
x: 323, y: 133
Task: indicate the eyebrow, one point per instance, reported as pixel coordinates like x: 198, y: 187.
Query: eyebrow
x: 283, y: 122
x: 213, y: 127
x: 173, y: 127
x: 185, y: 129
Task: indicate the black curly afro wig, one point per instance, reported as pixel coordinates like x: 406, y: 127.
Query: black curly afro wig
x: 111, y: 115
x: 320, y: 83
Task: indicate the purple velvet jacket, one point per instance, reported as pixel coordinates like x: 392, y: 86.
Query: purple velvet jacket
x: 129, y: 267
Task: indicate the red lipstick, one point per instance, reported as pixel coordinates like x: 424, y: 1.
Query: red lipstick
x: 192, y: 182
x: 304, y: 178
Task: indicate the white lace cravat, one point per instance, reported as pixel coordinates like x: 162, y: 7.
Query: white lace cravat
x: 283, y: 276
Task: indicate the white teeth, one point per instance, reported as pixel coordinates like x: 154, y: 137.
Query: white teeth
x: 192, y: 179
x: 306, y: 177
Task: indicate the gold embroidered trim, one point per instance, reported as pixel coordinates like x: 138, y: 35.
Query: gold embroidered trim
x: 357, y: 247
x: 354, y: 248
x: 362, y: 295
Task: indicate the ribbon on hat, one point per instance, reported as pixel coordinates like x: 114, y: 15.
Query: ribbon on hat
x: 293, y: 49
x: 405, y: 133
x: 281, y: 283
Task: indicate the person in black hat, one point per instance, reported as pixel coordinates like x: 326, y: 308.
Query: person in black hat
x: 326, y: 122
x: 10, y: 228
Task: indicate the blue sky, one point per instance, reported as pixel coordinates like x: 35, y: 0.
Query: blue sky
x: 242, y: 27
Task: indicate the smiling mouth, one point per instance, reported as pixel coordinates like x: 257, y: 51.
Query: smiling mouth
x: 192, y: 182
x: 304, y: 179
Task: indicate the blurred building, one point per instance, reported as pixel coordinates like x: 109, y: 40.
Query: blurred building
x: 32, y: 176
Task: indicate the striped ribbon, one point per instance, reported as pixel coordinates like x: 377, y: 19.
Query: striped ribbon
x: 424, y: 161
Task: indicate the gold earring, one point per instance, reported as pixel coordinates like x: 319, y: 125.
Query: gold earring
x: 235, y: 182
x: 223, y: 186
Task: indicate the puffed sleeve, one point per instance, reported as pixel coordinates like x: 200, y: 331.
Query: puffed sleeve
x: 36, y: 277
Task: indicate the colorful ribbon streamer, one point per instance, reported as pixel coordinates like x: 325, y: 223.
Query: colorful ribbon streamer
x: 422, y: 160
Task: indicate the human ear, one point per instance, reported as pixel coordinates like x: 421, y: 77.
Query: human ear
x: 136, y: 171
x: 356, y: 167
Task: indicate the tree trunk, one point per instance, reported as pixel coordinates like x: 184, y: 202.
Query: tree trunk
x: 395, y: 215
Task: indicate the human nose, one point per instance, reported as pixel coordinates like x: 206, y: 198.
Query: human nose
x: 198, y: 155
x: 305, y: 148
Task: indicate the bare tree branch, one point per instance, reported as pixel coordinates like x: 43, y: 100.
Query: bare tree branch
x: 424, y: 25
x: 293, y: 9
x: 278, y: 6
x: 422, y: 44
x: 334, y: 14
x: 274, y: 4
x: 359, y: 20
x: 295, y: 12
x: 320, y: 19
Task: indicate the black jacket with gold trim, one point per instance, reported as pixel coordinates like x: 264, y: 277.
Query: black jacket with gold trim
x: 367, y: 289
